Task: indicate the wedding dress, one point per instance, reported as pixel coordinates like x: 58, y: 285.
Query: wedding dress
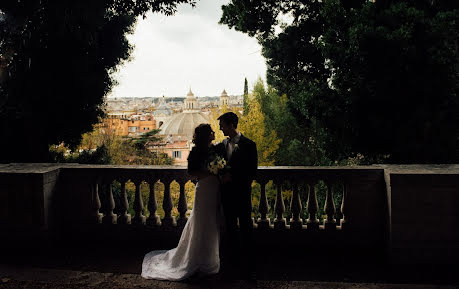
x: 198, y: 248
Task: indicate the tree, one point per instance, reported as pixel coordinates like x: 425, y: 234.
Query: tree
x: 399, y: 68
x: 245, y: 105
x: 141, y: 141
x: 294, y: 62
x: 104, y: 146
x: 57, y: 62
x: 253, y: 127
x: 298, y: 146
x: 378, y: 78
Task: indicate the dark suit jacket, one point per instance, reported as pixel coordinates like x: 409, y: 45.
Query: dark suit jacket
x: 243, y: 163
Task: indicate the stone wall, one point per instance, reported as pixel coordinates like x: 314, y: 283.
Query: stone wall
x: 26, y: 195
x: 424, y: 213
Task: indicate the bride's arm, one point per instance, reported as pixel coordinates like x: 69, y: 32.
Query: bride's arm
x: 195, y: 166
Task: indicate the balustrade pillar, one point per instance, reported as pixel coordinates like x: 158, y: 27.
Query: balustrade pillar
x: 139, y: 218
x: 153, y: 219
x: 110, y: 217
x: 96, y: 217
x: 279, y: 222
x: 329, y: 209
x: 169, y: 220
x: 312, y: 222
x: 344, y: 222
x: 263, y: 222
x: 182, y: 205
x: 124, y: 217
x: 296, y: 223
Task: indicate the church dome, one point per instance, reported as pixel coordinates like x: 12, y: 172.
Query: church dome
x: 163, y: 109
x: 183, y: 124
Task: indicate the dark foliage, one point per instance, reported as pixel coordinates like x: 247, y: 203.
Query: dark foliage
x: 57, y: 58
x: 376, y: 78
x: 98, y: 156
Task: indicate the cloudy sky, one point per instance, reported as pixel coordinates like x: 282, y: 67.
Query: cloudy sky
x: 189, y: 49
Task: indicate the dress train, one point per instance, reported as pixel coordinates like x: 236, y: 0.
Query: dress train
x: 198, y: 248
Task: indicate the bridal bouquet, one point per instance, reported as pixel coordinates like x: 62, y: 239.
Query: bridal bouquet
x: 216, y: 165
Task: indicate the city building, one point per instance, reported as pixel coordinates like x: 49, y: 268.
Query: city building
x: 224, y: 99
x: 181, y: 126
x: 124, y: 125
x: 178, y: 150
x: 162, y: 113
x: 178, y: 129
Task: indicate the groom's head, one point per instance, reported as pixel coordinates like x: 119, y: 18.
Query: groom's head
x: 228, y: 123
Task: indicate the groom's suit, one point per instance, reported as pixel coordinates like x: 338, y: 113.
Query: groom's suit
x: 236, y: 194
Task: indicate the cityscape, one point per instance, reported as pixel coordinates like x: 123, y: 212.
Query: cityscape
x: 174, y: 117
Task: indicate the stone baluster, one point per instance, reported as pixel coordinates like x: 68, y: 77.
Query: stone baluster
x: 296, y: 223
x: 169, y: 220
x: 329, y: 209
x: 139, y: 218
x: 263, y: 222
x: 124, y: 217
x: 253, y: 222
x: 182, y: 205
x: 344, y: 222
x: 153, y: 220
x: 95, y: 216
x: 279, y: 222
x: 312, y: 222
x: 110, y: 217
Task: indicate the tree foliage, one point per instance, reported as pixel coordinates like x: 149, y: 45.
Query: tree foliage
x: 378, y: 78
x: 105, y: 147
x: 297, y: 146
x: 254, y: 127
x: 56, y: 66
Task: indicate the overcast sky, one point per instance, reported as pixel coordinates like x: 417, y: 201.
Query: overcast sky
x: 189, y: 49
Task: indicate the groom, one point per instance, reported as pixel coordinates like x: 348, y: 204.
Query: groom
x: 241, y: 156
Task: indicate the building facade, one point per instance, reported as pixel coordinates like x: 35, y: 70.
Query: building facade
x: 123, y: 125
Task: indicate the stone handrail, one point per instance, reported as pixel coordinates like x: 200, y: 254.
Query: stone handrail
x: 363, y: 185
x: 410, y: 209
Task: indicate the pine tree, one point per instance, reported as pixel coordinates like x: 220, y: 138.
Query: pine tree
x: 246, y: 95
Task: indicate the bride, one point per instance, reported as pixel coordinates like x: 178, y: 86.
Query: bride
x: 198, y: 248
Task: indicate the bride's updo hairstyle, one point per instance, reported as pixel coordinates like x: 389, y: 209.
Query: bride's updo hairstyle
x: 201, y: 135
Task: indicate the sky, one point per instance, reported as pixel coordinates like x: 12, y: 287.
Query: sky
x: 189, y: 50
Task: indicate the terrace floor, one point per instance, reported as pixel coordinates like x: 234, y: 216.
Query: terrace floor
x: 54, y: 279
x: 115, y: 268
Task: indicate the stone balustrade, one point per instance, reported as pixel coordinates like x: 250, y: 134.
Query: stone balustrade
x: 360, y: 207
x: 355, y: 206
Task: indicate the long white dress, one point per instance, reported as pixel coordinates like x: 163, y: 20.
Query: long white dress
x: 198, y: 248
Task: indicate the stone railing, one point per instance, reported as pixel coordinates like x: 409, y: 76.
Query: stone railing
x: 362, y: 209
x: 380, y: 205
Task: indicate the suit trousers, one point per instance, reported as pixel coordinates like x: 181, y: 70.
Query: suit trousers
x: 237, y: 205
